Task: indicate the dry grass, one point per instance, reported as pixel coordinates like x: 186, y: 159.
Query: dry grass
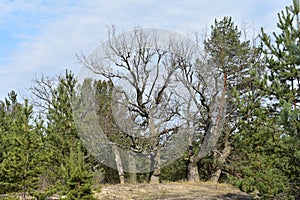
x: 178, y: 190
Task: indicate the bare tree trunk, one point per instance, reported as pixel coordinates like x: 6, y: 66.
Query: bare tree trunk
x: 211, y: 137
x: 119, y: 165
x: 216, y: 175
x: 155, y: 167
x: 193, y: 173
x: 132, y: 168
x: 221, y: 161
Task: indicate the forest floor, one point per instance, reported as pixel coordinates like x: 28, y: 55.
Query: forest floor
x: 172, y: 190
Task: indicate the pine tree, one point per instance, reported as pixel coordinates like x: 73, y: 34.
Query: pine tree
x: 283, y: 60
x: 258, y: 161
x: 283, y: 73
x: 265, y: 160
x: 62, y: 139
x: 21, y: 162
x: 77, y: 175
x: 235, y: 58
x: 61, y: 133
x: 8, y: 109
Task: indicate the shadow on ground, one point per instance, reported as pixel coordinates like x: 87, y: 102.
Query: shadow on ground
x: 231, y: 196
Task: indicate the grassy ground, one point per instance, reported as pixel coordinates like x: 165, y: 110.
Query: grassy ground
x: 178, y: 190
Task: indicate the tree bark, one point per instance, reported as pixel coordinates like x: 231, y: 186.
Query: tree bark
x: 220, y: 161
x: 216, y: 175
x: 132, y: 168
x: 119, y: 164
x: 210, y: 139
x: 193, y: 173
x: 155, y: 167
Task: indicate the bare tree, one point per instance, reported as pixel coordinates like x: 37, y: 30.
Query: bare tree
x: 204, y: 112
x: 42, y: 91
x: 144, y: 72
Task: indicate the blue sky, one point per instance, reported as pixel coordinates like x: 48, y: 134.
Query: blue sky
x: 43, y: 36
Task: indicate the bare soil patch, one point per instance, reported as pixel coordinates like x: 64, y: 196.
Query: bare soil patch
x: 178, y: 190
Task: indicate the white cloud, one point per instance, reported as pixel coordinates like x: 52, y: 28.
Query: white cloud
x: 53, y: 31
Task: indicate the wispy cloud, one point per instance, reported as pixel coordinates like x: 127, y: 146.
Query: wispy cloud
x: 44, y: 36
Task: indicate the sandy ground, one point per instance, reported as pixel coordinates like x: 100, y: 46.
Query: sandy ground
x: 180, y: 190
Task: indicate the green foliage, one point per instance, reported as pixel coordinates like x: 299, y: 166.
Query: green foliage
x: 265, y: 159
x: 11, y: 198
x: 43, y: 194
x: 77, y: 176
x: 206, y: 168
x: 259, y: 161
x: 238, y: 61
x: 176, y: 171
x: 282, y: 57
x: 61, y: 133
x: 66, y: 154
x: 22, y: 157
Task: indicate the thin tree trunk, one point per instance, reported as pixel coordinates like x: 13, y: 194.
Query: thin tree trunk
x: 132, y: 169
x: 119, y: 164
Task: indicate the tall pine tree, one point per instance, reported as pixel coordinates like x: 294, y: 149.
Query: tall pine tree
x: 282, y: 52
x: 235, y: 58
x: 63, y: 143
x: 266, y: 156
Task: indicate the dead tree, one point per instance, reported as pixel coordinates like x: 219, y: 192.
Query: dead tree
x: 204, y: 114
x: 143, y: 68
